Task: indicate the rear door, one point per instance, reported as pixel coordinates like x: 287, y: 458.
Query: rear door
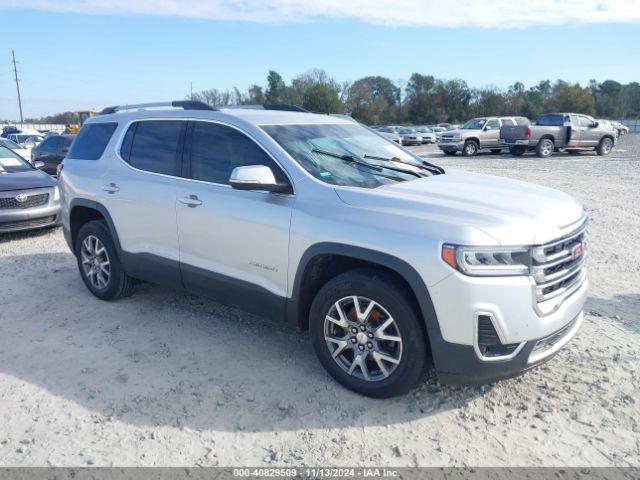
x: 234, y: 244
x: 139, y: 191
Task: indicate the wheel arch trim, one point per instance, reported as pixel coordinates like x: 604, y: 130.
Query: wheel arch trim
x: 97, y: 206
x: 397, y: 265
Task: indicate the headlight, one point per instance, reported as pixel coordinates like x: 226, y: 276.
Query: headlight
x: 488, y: 261
x: 56, y: 193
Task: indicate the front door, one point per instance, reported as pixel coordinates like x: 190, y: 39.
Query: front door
x: 234, y: 245
x: 490, y: 136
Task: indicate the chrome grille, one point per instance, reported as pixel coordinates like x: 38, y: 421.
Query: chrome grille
x: 558, y: 266
x: 29, y: 201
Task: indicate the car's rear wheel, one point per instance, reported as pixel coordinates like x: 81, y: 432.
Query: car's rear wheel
x: 367, y: 334
x: 605, y: 146
x: 470, y: 148
x: 517, y: 151
x: 98, y: 262
x: 545, y: 148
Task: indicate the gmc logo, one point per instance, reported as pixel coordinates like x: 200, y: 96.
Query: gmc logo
x: 577, y: 250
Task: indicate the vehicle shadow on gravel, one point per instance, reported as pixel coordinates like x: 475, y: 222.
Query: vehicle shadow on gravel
x: 10, y: 236
x: 623, y: 309
x: 164, y: 358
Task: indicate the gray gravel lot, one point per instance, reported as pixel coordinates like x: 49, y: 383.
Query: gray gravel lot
x: 164, y: 378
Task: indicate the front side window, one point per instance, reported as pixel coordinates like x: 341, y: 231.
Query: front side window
x: 585, y: 121
x: 90, y: 142
x: 494, y: 124
x: 311, y: 144
x: 217, y: 149
x: 153, y: 145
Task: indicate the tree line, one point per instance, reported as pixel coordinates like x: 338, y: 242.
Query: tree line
x: 424, y: 99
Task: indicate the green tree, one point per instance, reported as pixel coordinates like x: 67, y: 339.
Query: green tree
x: 276, y: 88
x: 567, y: 97
x: 316, y: 91
x: 373, y: 100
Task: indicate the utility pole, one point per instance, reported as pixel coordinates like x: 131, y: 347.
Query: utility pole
x: 191, y: 97
x: 15, y: 73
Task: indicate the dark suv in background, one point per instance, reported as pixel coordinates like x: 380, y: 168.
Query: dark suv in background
x: 51, y: 152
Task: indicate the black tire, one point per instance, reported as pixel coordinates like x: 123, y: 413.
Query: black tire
x: 496, y: 151
x: 119, y: 284
x: 449, y: 153
x: 517, y: 151
x: 413, y: 357
x: 545, y: 148
x: 605, y: 146
x: 470, y: 148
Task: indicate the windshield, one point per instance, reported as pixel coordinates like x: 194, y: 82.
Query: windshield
x: 5, y: 142
x: 24, y: 138
x: 304, y: 143
x: 12, y: 162
x: 474, y: 124
x: 405, y: 131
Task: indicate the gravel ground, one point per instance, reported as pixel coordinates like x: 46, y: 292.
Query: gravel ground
x: 164, y: 378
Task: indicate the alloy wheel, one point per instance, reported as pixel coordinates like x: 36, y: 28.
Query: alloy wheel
x: 95, y: 262
x: 363, y: 338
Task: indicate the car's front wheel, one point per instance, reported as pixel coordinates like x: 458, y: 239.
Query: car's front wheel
x: 605, y: 146
x: 98, y: 262
x: 470, y: 148
x: 367, y: 334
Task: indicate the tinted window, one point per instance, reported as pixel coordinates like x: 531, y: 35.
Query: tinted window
x: 66, y: 141
x: 154, y: 145
x: 49, y: 144
x: 216, y: 150
x: 550, y: 120
x: 507, y: 122
x: 90, y: 143
x: 495, y: 124
x: 584, y: 121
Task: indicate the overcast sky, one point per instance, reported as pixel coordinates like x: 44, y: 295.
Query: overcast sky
x: 87, y: 54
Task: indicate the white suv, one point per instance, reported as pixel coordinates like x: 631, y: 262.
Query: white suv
x: 392, y: 264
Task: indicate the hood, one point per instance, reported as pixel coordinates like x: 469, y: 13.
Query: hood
x: 510, y: 211
x: 459, y: 132
x: 25, y: 180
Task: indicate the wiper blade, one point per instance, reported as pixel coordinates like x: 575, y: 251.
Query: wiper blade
x: 347, y: 158
x: 424, y: 165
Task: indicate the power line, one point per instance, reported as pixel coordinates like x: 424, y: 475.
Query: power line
x: 15, y: 73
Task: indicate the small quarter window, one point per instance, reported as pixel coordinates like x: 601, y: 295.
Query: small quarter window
x: 91, y: 141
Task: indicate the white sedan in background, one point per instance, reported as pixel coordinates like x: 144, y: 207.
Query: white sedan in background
x: 24, y: 152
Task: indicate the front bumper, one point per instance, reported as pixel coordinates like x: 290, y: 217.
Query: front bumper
x: 20, y: 219
x: 451, y: 146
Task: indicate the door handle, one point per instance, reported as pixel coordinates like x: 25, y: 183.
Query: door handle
x: 191, y: 201
x: 111, y: 188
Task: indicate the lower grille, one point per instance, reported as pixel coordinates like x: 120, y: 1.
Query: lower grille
x: 28, y: 201
x: 25, y: 224
x: 547, y: 345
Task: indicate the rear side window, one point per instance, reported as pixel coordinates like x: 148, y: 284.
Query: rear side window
x: 91, y: 141
x: 153, y: 145
x: 550, y: 121
x: 217, y: 149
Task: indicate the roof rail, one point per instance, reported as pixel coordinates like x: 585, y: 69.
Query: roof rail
x: 185, y: 104
x: 285, y: 107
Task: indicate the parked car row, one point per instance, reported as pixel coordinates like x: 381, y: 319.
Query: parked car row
x: 552, y: 132
x: 411, y: 135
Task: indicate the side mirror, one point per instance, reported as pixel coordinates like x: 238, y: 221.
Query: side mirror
x: 256, y: 177
x: 38, y: 164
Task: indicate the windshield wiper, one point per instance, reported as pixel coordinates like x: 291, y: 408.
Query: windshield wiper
x: 347, y: 158
x: 424, y: 165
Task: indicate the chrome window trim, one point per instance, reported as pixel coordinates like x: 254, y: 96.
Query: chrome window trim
x: 128, y: 124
